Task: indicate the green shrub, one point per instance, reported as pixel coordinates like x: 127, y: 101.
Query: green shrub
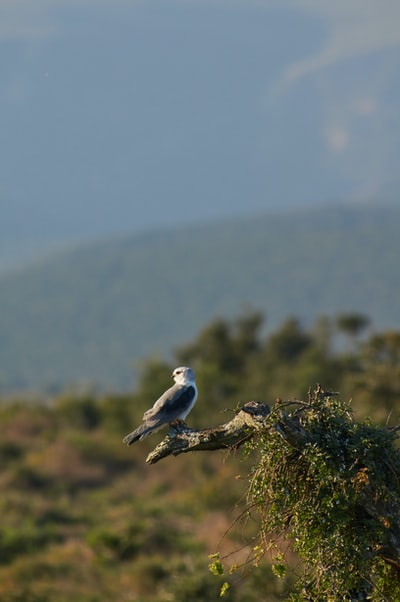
x: 334, y: 493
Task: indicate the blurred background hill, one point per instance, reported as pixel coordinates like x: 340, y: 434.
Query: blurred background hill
x: 167, y: 162
x: 89, y: 316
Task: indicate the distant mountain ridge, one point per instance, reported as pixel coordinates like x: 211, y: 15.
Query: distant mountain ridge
x: 179, y: 111
x: 91, y: 314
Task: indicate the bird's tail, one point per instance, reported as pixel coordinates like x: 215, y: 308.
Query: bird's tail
x: 142, y: 431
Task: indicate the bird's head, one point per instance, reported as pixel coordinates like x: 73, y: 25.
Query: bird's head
x: 183, y: 375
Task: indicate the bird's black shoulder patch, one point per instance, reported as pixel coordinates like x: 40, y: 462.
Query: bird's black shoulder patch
x: 182, y: 399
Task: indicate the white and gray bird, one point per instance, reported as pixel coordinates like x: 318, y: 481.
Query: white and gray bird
x: 173, y: 405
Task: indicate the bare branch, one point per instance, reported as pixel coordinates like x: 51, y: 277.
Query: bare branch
x: 182, y: 439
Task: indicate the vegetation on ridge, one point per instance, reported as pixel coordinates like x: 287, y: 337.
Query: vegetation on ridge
x: 90, y: 315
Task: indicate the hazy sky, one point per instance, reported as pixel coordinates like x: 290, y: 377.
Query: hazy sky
x: 119, y: 115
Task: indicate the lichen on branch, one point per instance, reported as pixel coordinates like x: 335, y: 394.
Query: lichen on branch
x: 182, y: 439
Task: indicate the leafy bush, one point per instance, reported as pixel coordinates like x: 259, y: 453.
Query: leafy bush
x: 332, y: 490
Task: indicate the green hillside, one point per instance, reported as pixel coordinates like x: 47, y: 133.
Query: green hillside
x: 92, y: 314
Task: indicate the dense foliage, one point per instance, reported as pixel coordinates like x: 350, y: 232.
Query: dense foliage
x: 84, y: 518
x: 334, y: 493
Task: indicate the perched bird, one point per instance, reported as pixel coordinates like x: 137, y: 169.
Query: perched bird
x: 173, y: 405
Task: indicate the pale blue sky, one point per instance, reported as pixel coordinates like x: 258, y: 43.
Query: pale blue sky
x: 126, y: 115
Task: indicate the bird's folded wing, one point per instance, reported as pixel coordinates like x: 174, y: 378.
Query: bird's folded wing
x: 170, y: 405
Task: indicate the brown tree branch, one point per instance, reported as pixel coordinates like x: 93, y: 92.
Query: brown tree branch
x: 182, y: 439
x: 251, y: 418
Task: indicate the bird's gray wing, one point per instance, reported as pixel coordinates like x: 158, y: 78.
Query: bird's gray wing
x: 170, y: 405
